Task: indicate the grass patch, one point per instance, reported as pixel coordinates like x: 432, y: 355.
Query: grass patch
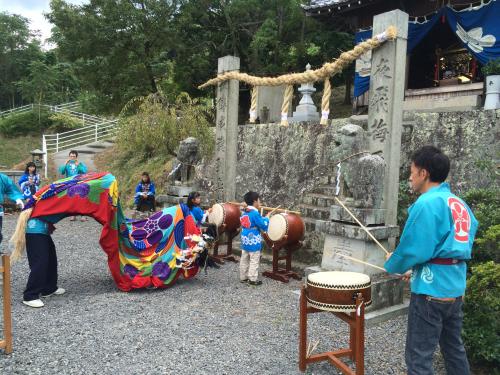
x: 14, y: 151
x: 128, y: 170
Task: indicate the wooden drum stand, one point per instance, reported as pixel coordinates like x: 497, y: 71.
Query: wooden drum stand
x: 6, y: 342
x: 277, y: 273
x: 355, y: 352
x: 221, y: 258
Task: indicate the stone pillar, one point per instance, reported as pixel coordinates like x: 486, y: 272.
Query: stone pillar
x: 226, y: 132
x: 385, y: 112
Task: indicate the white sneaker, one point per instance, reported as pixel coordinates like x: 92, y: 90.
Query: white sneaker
x: 36, y: 303
x: 58, y: 292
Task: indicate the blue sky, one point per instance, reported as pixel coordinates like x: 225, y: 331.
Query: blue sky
x: 33, y: 10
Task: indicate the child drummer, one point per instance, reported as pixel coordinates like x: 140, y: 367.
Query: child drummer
x: 251, y: 240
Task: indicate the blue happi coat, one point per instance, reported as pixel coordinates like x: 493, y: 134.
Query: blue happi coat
x: 143, y: 187
x: 439, y: 225
x: 252, y: 223
x: 28, y: 188
x: 8, y: 189
x: 198, y: 215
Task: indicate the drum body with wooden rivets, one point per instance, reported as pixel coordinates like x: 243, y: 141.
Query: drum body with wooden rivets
x: 337, y: 291
x: 226, y: 216
x: 285, y: 229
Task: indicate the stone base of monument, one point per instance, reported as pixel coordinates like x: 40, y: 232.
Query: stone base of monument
x: 342, y: 236
x: 388, y: 300
x: 174, y: 196
x: 351, y: 240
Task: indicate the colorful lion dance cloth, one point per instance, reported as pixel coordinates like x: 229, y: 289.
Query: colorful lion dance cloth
x: 141, y: 253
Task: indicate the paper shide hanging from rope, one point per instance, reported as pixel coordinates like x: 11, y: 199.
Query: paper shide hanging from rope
x: 322, y: 74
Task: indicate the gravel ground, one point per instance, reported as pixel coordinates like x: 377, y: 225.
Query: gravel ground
x: 211, y: 324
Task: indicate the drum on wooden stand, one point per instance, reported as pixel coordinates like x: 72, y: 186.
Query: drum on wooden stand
x: 337, y: 291
x: 226, y: 217
x: 345, y: 294
x: 285, y: 229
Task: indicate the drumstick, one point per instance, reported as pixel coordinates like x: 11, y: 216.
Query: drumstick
x: 270, y: 213
x: 361, y: 225
x: 360, y: 261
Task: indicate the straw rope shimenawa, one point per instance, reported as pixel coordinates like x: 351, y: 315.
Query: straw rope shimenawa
x: 253, y: 104
x: 325, y: 102
x: 322, y: 74
x: 327, y: 70
x: 287, y: 100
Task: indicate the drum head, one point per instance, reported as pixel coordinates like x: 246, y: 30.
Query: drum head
x: 277, y: 227
x: 338, y: 280
x: 217, y: 215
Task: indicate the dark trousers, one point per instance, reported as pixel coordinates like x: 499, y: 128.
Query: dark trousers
x: 431, y: 322
x: 146, y: 204
x: 42, y: 259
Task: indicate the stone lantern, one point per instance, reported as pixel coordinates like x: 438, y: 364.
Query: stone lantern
x: 37, y: 157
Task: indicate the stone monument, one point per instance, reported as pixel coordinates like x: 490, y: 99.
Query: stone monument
x: 181, y: 180
x: 306, y: 110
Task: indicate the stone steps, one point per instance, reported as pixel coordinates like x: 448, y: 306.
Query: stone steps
x: 319, y: 200
x: 328, y: 190
x: 314, y: 212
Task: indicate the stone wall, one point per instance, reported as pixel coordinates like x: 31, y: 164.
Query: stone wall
x: 470, y: 139
x: 284, y: 163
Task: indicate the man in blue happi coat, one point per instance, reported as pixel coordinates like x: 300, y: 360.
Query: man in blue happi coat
x: 9, y: 189
x: 433, y: 250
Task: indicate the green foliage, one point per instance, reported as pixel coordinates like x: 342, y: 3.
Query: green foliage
x: 485, y: 203
x: 487, y: 246
x: 492, y: 67
x: 32, y: 122
x: 405, y: 199
x: 481, y: 329
x: 123, y: 49
x: 117, y: 47
x: 18, y: 47
x: 156, y: 127
x: 128, y: 171
x: 63, y: 121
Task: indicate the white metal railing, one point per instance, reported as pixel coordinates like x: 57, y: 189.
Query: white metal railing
x: 24, y: 108
x: 52, y: 143
x: 70, y: 106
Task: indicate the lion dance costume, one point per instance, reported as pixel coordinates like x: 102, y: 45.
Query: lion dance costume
x: 151, y: 252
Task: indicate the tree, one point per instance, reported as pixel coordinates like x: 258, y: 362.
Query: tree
x: 18, y: 47
x: 119, y: 47
x: 39, y: 85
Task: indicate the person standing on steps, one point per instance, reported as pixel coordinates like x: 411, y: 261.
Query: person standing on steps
x: 71, y: 168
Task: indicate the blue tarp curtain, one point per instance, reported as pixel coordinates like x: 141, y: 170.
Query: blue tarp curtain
x: 478, y: 28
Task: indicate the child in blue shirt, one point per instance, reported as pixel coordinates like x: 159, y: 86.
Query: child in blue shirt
x: 193, y: 203
x: 435, y: 245
x: 29, y: 181
x: 145, y: 194
x: 251, y: 240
